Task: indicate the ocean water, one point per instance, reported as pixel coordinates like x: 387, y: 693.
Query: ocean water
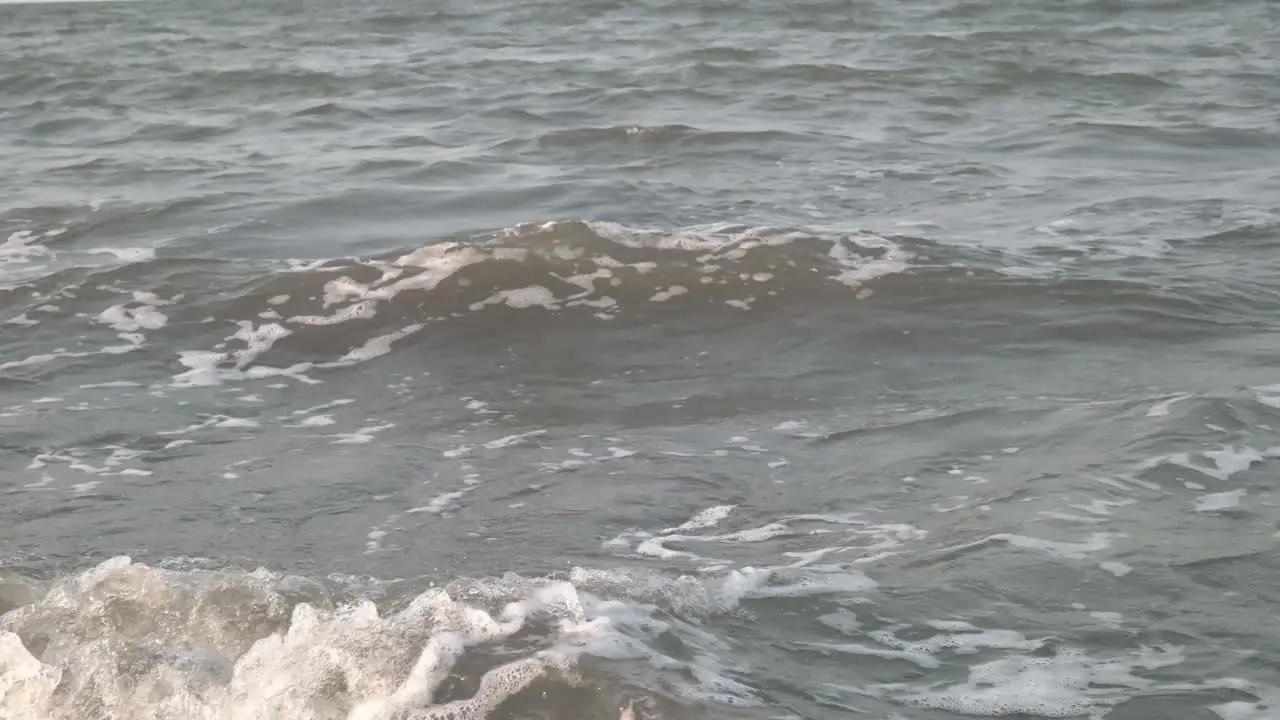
x: 592, y: 360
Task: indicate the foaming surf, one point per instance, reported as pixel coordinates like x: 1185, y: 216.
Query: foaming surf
x: 187, y: 639
x: 128, y: 640
x: 125, y: 639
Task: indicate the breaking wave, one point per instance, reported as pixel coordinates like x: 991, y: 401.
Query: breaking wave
x: 125, y: 639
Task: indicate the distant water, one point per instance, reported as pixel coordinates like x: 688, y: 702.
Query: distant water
x: 808, y: 360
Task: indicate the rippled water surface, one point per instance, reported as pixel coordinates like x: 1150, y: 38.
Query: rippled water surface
x: 901, y: 360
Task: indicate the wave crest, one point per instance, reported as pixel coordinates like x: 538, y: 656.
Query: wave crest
x: 602, y: 269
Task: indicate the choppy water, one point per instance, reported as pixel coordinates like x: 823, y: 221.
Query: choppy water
x: 903, y: 360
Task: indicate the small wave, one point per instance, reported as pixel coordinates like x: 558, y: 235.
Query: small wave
x: 587, y: 136
x: 1167, y: 137
x: 283, y: 82
x: 724, y: 53
x: 1016, y: 77
x: 602, y: 270
x: 661, y: 135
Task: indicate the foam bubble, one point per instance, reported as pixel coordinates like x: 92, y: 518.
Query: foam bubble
x: 963, y: 640
x: 127, y: 254
x: 1118, y: 569
x: 41, y: 359
x: 1219, y: 464
x: 205, y: 368
x: 858, y: 269
x: 375, y: 346
x: 111, y: 384
x: 1111, y: 619
x: 1215, y: 502
x: 21, y: 248
x: 1161, y: 409
x: 510, y: 440
x: 671, y: 292
x: 1099, y: 506
x: 867, y: 542
x: 1266, y: 708
x: 361, y: 436
x: 710, y: 517
x: 843, y: 621
x: 22, y: 320
x: 324, y: 406
x: 1072, y: 550
x: 440, y: 503
x: 1067, y: 684
x: 127, y: 320
x: 1268, y: 395
x: 521, y: 298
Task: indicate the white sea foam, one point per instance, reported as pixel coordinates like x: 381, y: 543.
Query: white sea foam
x: 1063, y: 683
x: 520, y: 298
x: 361, y: 436
x: 141, y: 314
x: 1102, y: 507
x: 1111, y: 619
x: 1161, y: 409
x: 860, y: 541
x: 24, y: 248
x: 109, y: 460
x: 21, y: 320
x: 1073, y: 550
x: 1268, y: 395
x: 516, y: 439
x: 1118, y: 569
x: 206, y: 368
x: 222, y: 645
x: 111, y: 384
x: 858, y: 270
x: 212, y: 421
x: 442, y: 502
x: 1057, y: 686
x: 671, y: 292
x: 710, y: 517
x: 127, y: 254
x: 1215, y: 502
x: 199, y: 658
x: 961, y: 639
x: 325, y: 406
x: 1267, y: 706
x: 41, y: 359
x: 375, y: 347
x: 1219, y: 464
